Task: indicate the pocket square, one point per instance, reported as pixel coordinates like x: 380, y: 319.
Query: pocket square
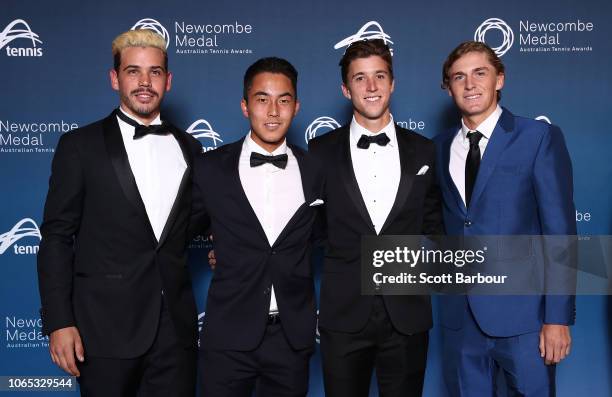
x: 423, y: 170
x: 316, y: 202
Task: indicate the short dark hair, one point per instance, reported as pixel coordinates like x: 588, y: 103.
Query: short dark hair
x: 365, y: 49
x: 464, y: 48
x: 270, y: 65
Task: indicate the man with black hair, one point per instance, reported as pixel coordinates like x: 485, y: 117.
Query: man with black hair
x: 259, y: 329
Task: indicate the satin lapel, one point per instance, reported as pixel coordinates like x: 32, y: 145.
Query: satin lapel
x: 448, y: 180
x: 232, y: 161
x: 309, y: 186
x: 347, y: 174
x: 118, y: 156
x: 499, y: 139
x: 406, y: 155
x: 176, y: 206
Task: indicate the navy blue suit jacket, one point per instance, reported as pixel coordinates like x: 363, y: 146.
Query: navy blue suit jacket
x: 524, y: 187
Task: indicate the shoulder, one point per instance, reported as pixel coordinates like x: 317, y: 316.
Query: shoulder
x: 328, y: 139
x: 414, y: 139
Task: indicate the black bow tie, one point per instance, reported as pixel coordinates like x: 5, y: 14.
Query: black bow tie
x: 142, y: 130
x: 379, y: 139
x: 279, y: 161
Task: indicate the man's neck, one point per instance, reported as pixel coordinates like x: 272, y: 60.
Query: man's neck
x: 472, y: 122
x: 373, y: 125
x: 144, y: 120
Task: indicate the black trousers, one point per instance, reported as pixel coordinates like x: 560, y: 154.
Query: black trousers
x: 166, y: 369
x: 349, y: 358
x: 273, y: 369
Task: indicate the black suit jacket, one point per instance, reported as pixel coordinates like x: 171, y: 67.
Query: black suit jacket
x: 100, y: 267
x: 416, y: 210
x: 247, y: 266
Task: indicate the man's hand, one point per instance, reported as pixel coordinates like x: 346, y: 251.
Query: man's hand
x: 555, y: 343
x: 64, y: 345
x: 212, y: 261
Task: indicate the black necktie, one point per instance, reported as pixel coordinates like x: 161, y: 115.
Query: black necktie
x: 472, y: 162
x: 142, y: 130
x: 258, y: 159
x: 379, y: 139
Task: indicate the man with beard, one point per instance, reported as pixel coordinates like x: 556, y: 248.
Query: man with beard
x: 379, y: 180
x: 115, y: 290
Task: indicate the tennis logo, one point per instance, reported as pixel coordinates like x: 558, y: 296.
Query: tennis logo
x: 495, y: 24
x: 19, y: 29
x: 203, y: 131
x: 320, y: 125
x: 370, y: 31
x: 24, y: 228
x: 152, y: 24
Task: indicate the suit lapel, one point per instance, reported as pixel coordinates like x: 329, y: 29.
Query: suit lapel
x: 347, y: 174
x: 180, y: 138
x: 406, y: 155
x: 499, y: 139
x: 448, y: 180
x: 232, y: 162
x: 121, y: 164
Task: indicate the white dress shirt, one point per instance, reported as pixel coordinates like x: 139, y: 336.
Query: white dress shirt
x: 158, y: 166
x: 377, y: 170
x: 460, y: 146
x: 275, y: 194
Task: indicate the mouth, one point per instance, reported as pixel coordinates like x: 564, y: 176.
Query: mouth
x: 144, y: 96
x: 373, y: 98
x: 272, y: 125
x: 472, y: 97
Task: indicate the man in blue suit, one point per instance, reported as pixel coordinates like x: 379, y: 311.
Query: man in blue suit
x: 501, y: 174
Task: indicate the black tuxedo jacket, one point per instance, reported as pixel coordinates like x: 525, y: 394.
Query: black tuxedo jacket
x: 247, y: 266
x: 100, y: 266
x: 416, y: 210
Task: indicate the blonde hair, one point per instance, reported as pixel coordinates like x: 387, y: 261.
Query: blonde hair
x: 138, y: 38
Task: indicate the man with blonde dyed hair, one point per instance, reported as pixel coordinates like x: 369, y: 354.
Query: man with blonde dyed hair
x: 116, y: 294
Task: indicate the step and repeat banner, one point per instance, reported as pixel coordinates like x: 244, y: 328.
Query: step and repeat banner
x: 54, y: 62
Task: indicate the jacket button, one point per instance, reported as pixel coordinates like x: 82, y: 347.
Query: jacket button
x: 267, y: 291
x: 468, y: 223
x: 273, y: 252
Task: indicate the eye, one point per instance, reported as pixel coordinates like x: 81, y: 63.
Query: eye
x: 381, y: 76
x: 261, y: 99
x: 131, y: 72
x: 458, y: 77
x: 284, y: 101
x: 358, y: 78
x: 156, y: 72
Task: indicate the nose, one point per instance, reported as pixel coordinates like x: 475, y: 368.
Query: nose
x: 469, y: 82
x: 371, y: 85
x: 273, y: 109
x: 145, y: 80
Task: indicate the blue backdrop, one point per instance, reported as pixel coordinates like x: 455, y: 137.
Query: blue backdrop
x: 54, y: 63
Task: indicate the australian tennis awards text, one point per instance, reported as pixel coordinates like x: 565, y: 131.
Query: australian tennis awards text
x: 534, y: 33
x: 411, y: 257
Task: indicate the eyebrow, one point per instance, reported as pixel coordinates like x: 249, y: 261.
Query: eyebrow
x: 258, y: 93
x: 156, y: 67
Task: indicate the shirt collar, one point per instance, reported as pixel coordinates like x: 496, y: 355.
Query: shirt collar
x: 357, y: 130
x: 252, y: 146
x: 486, y: 127
x: 155, y: 121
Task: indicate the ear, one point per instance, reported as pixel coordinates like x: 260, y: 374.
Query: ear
x: 243, y: 106
x: 345, y: 91
x: 499, y: 84
x: 392, y: 85
x: 114, y: 79
x: 168, y: 81
x: 297, y: 107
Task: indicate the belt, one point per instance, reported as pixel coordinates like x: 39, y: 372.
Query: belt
x: 273, y: 318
